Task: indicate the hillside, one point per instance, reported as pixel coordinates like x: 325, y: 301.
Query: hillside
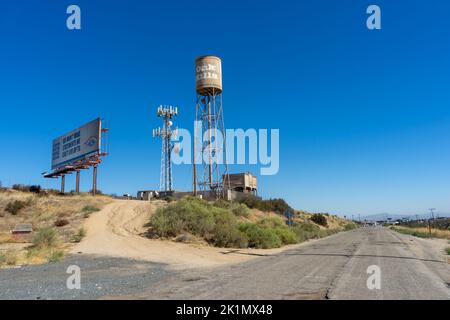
x: 82, y: 224
x: 58, y: 220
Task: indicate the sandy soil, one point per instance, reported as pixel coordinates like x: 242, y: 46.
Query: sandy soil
x: 116, y: 231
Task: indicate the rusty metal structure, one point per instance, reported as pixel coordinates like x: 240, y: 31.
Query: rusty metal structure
x: 243, y: 182
x: 85, y: 163
x: 208, y: 174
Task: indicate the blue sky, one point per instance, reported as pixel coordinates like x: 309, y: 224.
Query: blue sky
x: 364, y: 116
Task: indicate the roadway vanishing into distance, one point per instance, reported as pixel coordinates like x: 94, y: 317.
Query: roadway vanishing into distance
x: 331, y: 268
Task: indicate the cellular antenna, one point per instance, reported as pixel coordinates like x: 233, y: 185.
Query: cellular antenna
x: 166, y: 134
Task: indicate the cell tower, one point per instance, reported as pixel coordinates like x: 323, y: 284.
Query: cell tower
x: 210, y: 174
x: 166, y: 134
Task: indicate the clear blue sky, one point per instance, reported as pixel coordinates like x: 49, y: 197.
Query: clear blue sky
x: 364, y: 116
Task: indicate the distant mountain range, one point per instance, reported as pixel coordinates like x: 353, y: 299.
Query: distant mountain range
x: 384, y: 216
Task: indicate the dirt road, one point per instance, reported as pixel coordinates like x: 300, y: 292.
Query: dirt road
x: 118, y: 231
x: 330, y: 268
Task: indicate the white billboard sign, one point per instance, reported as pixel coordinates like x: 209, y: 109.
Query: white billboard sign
x: 76, y: 145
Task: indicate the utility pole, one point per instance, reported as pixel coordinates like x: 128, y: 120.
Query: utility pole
x: 432, y: 217
x: 432, y: 212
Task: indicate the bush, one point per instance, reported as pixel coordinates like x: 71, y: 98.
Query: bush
x: 55, y: 256
x: 215, y: 224
x: 350, y: 226
x: 221, y: 203
x: 286, y: 235
x: 259, y: 237
x: 240, y: 210
x: 61, y: 222
x: 226, y: 234
x: 306, y: 231
x: 319, y: 219
x: 88, y: 210
x: 275, y: 205
x: 15, y: 206
x: 271, y: 222
x: 219, y: 225
x: 45, y: 238
x: 77, y: 237
x: 35, y: 189
x: 448, y: 251
x: 169, y: 199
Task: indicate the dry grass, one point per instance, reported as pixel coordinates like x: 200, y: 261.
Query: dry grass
x: 8, y: 258
x: 44, y: 212
x: 424, y: 232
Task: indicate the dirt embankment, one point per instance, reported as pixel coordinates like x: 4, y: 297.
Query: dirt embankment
x: 64, y: 215
x: 119, y: 231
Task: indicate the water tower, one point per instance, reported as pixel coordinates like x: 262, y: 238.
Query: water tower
x: 209, y: 174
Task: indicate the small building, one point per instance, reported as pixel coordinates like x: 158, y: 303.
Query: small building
x: 242, y: 182
x: 147, y: 195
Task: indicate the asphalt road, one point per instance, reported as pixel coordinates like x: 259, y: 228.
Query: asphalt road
x: 330, y: 268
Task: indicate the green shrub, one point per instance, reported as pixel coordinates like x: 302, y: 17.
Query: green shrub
x: 169, y: 199
x: 240, y: 209
x: 219, y: 225
x: 15, y: 206
x: 55, y: 256
x: 215, y: 223
x: 448, y: 251
x: 259, y: 237
x: 275, y: 205
x: 319, y: 219
x: 350, y: 226
x: 45, y: 238
x: 229, y: 236
x: 306, y: 231
x: 221, y: 203
x: 286, y: 235
x: 88, y: 210
x: 77, y: 237
x: 190, y: 215
x: 271, y: 222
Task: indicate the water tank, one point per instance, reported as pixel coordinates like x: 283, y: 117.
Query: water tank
x: 208, y: 74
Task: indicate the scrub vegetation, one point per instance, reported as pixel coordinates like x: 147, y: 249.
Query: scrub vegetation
x: 225, y: 224
x: 56, y: 220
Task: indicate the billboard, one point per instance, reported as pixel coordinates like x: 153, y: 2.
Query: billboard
x: 76, y: 145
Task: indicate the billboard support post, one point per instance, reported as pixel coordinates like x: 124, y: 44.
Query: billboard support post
x: 77, y: 183
x: 94, y: 181
x: 63, y: 183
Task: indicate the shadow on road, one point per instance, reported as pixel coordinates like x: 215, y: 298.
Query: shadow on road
x: 362, y: 256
